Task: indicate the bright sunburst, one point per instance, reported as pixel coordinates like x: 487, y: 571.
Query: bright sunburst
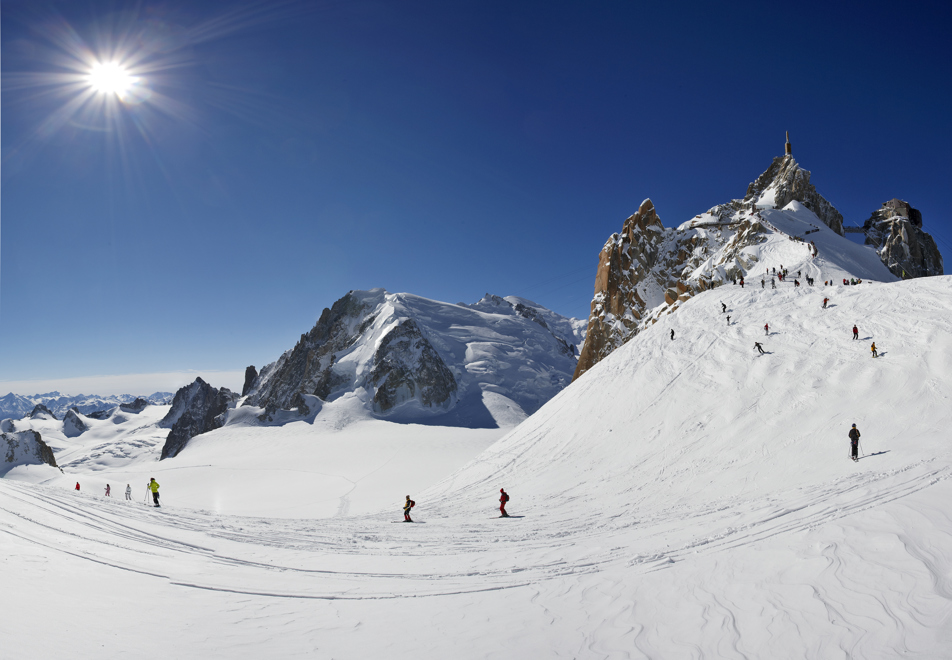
x: 111, y: 78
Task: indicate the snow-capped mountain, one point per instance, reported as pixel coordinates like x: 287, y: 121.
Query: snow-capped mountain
x: 649, y: 270
x: 16, y: 406
x: 405, y: 357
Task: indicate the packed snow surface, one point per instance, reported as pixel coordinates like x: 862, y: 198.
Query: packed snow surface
x: 688, y: 498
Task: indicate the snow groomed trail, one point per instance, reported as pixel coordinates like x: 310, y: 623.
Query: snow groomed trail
x: 684, y: 498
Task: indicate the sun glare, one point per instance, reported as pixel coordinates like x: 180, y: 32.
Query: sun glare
x: 111, y: 78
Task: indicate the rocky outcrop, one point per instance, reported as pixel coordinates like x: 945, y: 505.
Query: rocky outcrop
x: 648, y: 265
x: 895, y: 230
x: 135, y: 407
x: 650, y: 268
x: 7, y: 426
x: 308, y: 367
x: 99, y: 414
x: 41, y: 412
x: 406, y: 366
x: 785, y: 181
x: 197, y: 408
x: 251, y: 375
x: 73, y: 424
x: 24, y: 448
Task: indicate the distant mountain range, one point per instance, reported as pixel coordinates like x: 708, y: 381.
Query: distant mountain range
x: 17, y: 405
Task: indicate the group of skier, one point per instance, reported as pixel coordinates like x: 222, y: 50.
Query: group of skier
x: 151, y: 487
x: 503, y: 498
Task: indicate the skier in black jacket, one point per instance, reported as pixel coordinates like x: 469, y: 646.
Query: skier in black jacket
x: 854, y: 443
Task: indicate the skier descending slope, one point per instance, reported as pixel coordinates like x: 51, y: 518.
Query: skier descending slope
x: 855, y: 332
x: 854, y: 443
x: 672, y: 334
x: 873, y: 349
x: 409, y: 504
x: 128, y: 491
x: 154, y: 487
x: 759, y: 347
x: 503, y: 498
x: 767, y: 329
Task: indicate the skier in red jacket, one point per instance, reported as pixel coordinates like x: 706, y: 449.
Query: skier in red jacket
x: 503, y: 498
x: 77, y: 485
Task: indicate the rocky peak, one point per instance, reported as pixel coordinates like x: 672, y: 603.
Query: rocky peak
x: 41, y: 412
x: 197, y: 408
x: 251, y: 375
x: 648, y: 265
x: 895, y: 231
x: 24, y: 448
x: 73, y: 424
x: 135, y: 407
x: 785, y: 181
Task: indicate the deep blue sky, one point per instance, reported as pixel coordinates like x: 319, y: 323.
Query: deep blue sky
x: 292, y: 152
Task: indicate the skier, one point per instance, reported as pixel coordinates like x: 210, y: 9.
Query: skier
x: 766, y: 330
x: 108, y: 491
x: 503, y: 498
x: 728, y: 320
x: 672, y: 334
x: 77, y: 485
x: 128, y: 492
x: 773, y: 283
x: 825, y: 301
x: 154, y: 487
x: 763, y: 283
x: 723, y: 307
x: 409, y: 504
x: 855, y: 332
x: 873, y: 349
x: 854, y: 443
x: 759, y: 347
x: 742, y: 282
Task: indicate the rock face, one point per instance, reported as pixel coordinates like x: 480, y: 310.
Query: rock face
x: 135, y: 407
x: 41, y: 412
x: 785, y: 181
x: 408, y: 367
x: 197, y: 408
x: 24, y: 448
x: 73, y: 424
x: 895, y: 230
x: 251, y: 375
x: 647, y: 266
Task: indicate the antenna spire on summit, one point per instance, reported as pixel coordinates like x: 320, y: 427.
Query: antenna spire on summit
x: 787, y: 147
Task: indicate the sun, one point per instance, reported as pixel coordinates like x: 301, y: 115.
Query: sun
x: 111, y: 78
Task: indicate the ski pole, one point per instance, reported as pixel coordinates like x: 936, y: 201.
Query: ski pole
x: 861, y: 448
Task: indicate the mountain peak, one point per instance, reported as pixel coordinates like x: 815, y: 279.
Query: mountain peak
x: 785, y: 181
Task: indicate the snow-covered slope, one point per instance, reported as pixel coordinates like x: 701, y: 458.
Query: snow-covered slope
x: 409, y: 358
x: 685, y: 498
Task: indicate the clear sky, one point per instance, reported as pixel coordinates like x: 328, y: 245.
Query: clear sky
x: 269, y: 157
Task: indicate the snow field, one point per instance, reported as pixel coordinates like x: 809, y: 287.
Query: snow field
x: 684, y: 498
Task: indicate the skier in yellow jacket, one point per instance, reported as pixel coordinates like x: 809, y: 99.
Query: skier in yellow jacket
x: 154, y: 487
